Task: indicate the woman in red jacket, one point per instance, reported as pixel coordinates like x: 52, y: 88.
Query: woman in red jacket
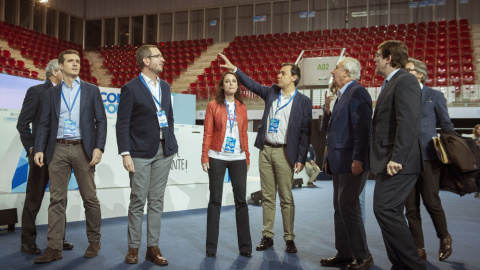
x: 225, y: 145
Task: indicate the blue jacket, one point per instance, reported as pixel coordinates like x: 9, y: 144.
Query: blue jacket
x: 348, y: 130
x: 299, y: 125
x: 434, y: 110
x: 93, y: 120
x: 138, y: 130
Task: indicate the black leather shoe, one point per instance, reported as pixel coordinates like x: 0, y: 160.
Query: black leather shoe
x: 336, y: 261
x: 67, y: 245
x: 445, y: 248
x: 210, y: 253
x: 30, y: 249
x: 265, y: 243
x: 422, y: 254
x: 361, y: 264
x: 246, y: 253
x: 291, y: 248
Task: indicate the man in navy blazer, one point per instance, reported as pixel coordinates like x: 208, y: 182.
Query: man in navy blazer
x: 73, y: 129
x: 147, y: 144
x: 396, y: 152
x: 434, y: 110
x: 283, y: 138
x: 348, y: 133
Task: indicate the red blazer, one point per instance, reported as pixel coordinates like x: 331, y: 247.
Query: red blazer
x: 215, y: 126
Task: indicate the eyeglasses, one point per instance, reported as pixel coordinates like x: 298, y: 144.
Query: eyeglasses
x: 377, y: 55
x: 409, y: 69
x: 155, y: 56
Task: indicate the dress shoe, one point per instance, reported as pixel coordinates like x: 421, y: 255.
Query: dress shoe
x: 422, y: 254
x: 154, y: 255
x: 30, y: 249
x: 265, y: 243
x: 211, y: 253
x: 246, y: 253
x: 311, y: 184
x: 336, y: 261
x: 132, y: 256
x: 67, y: 245
x: 92, y: 250
x: 445, y: 248
x: 49, y: 255
x: 291, y: 248
x: 361, y: 264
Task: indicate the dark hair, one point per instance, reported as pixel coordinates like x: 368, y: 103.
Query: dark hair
x: 143, y: 52
x: 294, y: 71
x: 397, y: 50
x: 220, y: 96
x: 61, y: 57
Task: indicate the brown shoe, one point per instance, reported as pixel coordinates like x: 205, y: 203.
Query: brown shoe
x: 49, y: 255
x: 67, y: 245
x: 422, y: 254
x: 132, y: 256
x: 154, y: 255
x: 92, y: 250
x: 445, y: 248
x: 311, y: 185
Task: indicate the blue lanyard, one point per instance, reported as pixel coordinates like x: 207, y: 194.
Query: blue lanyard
x: 156, y: 100
x: 228, y: 114
x: 68, y: 107
x: 278, y: 100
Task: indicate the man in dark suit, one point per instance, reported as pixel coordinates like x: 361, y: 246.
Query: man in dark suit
x: 73, y: 131
x: 37, y: 176
x: 283, y: 138
x: 395, y: 152
x: 348, y: 133
x: 147, y: 144
x: 434, y: 110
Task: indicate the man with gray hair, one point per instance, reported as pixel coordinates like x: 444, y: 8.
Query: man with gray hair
x: 37, y: 176
x: 434, y: 110
x: 348, y: 128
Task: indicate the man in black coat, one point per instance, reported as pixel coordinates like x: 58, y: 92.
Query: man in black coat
x: 37, y: 176
x: 396, y: 152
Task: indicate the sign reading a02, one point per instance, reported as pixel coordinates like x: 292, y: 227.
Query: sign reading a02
x: 323, y: 66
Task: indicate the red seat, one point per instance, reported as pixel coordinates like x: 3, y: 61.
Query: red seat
x: 441, y: 80
x: 454, y: 68
x: 441, y: 68
x: 468, y: 78
x: 467, y: 58
x: 467, y: 67
x: 455, y: 79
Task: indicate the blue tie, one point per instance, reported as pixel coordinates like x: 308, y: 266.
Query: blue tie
x: 383, y: 85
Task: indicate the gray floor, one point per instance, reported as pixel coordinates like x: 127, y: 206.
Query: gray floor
x: 183, y: 238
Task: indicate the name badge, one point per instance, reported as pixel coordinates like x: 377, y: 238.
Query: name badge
x: 70, y: 128
x: 274, y: 125
x: 230, y: 145
x: 162, y: 119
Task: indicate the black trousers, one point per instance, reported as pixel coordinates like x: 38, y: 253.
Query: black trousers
x: 36, y: 184
x: 350, y: 238
x: 238, y: 175
x: 427, y: 187
x: 389, y: 198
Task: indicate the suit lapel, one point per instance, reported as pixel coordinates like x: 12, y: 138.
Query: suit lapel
x: 387, y: 88
x: 342, y: 99
x: 165, y: 96
x: 57, y: 93
x: 296, y: 107
x: 146, y: 92
x: 427, y: 91
x: 83, y: 96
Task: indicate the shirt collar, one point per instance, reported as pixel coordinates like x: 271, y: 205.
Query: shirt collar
x: 148, y: 80
x: 345, y: 87
x: 74, y: 83
x: 421, y: 86
x: 391, y: 74
x: 289, y: 96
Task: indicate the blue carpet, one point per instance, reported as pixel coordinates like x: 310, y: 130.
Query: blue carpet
x: 182, y: 238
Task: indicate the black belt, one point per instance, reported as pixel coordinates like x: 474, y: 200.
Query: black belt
x: 69, y: 142
x: 275, y: 145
